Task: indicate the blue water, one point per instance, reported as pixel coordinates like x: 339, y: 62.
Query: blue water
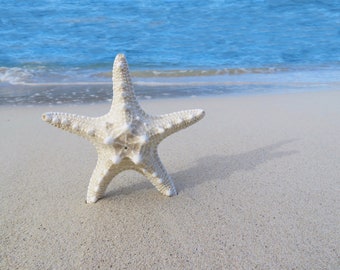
x: 76, y: 41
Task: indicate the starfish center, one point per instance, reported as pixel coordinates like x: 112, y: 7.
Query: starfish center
x: 128, y: 144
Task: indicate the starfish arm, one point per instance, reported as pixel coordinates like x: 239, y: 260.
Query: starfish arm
x: 164, y: 125
x: 153, y: 169
x: 101, y: 177
x: 124, y: 98
x: 81, y: 125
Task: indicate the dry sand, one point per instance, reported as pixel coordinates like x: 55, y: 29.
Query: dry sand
x: 258, y: 181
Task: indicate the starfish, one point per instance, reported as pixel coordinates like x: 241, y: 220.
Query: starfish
x: 126, y: 137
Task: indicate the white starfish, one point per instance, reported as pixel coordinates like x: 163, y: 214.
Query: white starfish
x: 126, y: 137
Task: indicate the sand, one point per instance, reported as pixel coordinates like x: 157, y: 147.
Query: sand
x: 258, y: 181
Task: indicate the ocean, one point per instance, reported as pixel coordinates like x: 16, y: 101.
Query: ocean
x: 57, y: 51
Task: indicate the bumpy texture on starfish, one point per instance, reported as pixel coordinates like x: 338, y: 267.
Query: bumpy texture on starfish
x: 126, y: 137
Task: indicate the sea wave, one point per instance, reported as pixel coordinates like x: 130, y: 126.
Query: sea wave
x: 196, y: 72
x: 15, y: 75
x: 44, y: 75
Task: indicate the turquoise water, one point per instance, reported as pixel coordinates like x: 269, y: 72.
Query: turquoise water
x: 75, y: 41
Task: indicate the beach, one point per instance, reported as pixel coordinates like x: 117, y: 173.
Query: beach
x: 257, y: 181
x: 257, y: 178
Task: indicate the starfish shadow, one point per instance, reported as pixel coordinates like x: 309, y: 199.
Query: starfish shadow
x: 212, y: 167
x: 218, y: 166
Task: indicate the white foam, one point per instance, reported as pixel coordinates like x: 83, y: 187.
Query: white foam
x: 14, y: 75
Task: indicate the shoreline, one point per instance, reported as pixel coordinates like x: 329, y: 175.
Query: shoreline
x: 67, y: 94
x: 83, y: 92
x: 257, y: 181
